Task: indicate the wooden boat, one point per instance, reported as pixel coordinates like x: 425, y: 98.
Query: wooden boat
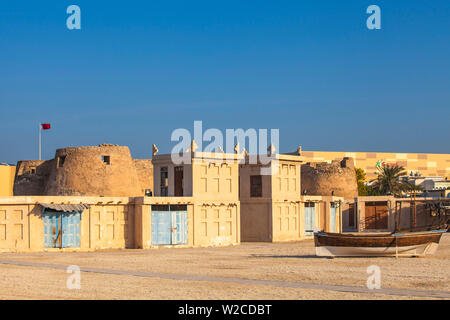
x: 377, y: 244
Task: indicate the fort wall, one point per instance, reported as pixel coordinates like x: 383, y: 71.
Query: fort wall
x: 105, y: 170
x: 337, y: 178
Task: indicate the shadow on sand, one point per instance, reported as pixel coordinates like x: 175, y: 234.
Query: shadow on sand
x: 309, y: 256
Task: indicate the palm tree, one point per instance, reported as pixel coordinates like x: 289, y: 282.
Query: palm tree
x: 363, y: 189
x: 388, y: 181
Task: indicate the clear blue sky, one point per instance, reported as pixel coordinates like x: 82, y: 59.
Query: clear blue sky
x: 139, y: 69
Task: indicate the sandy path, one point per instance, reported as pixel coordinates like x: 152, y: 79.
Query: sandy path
x: 249, y: 271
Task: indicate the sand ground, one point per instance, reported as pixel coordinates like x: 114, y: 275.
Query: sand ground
x: 249, y: 271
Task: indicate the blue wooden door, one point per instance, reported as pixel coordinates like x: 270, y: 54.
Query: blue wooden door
x: 333, y: 217
x: 51, y: 228
x: 310, y: 212
x: 61, y: 229
x: 161, y: 227
x: 71, y: 229
x: 179, y: 227
x: 169, y: 225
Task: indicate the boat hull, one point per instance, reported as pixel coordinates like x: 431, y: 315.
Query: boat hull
x: 348, y: 245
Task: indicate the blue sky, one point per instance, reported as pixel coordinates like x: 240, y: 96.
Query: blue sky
x: 137, y: 70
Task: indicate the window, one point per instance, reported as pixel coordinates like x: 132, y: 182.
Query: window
x: 106, y: 159
x: 164, y: 184
x: 32, y: 170
x: 178, y: 177
x: 61, y: 161
x: 255, y: 186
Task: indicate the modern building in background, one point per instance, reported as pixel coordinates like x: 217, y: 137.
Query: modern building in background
x: 425, y: 164
x: 434, y: 187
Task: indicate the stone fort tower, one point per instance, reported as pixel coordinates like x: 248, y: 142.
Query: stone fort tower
x: 336, y: 178
x: 105, y: 170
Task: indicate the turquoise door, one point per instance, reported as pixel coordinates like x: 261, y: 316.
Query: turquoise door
x: 71, y: 229
x: 51, y: 229
x: 161, y: 227
x: 169, y: 227
x: 179, y: 223
x: 310, y: 213
x: 333, y: 217
x: 61, y: 229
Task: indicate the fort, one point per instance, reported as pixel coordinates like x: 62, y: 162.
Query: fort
x: 104, y: 170
x: 337, y: 178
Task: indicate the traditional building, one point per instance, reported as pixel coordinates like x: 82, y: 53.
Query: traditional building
x: 211, y: 182
x: 61, y: 223
x: 272, y: 206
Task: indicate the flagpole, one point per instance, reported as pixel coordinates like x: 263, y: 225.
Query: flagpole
x: 40, y: 143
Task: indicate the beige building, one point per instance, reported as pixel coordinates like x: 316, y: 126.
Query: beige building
x: 427, y: 164
x: 211, y: 181
x: 69, y: 223
x: 272, y: 207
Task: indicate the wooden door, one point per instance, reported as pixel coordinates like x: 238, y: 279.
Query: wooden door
x: 52, y: 229
x: 161, y: 226
x: 71, y: 229
x: 376, y: 215
x: 382, y: 213
x: 351, y: 215
x: 179, y: 227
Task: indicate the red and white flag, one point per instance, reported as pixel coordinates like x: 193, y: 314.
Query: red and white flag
x: 45, y: 126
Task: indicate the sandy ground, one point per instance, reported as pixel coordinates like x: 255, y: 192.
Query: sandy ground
x: 281, y: 263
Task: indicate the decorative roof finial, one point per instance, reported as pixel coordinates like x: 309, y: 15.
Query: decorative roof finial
x: 236, y: 148
x: 154, y: 150
x: 271, y: 149
x: 193, y: 146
